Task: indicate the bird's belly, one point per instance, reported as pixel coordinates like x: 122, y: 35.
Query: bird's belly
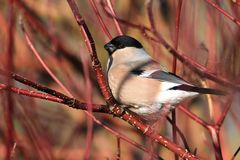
x: 128, y: 92
x: 140, y: 96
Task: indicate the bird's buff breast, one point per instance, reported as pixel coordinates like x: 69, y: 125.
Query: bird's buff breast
x: 134, y: 91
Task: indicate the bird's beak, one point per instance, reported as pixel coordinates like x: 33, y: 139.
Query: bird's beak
x: 110, y: 48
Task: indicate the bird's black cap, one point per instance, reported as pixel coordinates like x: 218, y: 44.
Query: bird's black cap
x: 120, y: 42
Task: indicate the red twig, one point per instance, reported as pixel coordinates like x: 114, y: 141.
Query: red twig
x: 31, y: 93
x: 127, y: 140
x: 33, y: 18
x: 37, y: 55
x: 224, y: 113
x: 177, y: 24
x: 150, y: 14
x: 10, y: 105
x: 193, y: 116
x: 100, y: 20
x: 174, y: 67
x: 235, y: 118
x: 184, y: 140
x: 118, y: 148
x: 174, y: 130
x: 114, y: 19
x: 214, y: 5
x: 213, y: 129
x: 214, y: 132
x: 89, y: 90
x: 39, y: 143
x: 71, y: 102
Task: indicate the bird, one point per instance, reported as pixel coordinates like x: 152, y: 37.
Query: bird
x: 142, y: 84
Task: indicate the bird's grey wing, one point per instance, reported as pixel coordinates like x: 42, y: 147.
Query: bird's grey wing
x: 157, y: 73
x: 165, y: 76
x: 170, y: 77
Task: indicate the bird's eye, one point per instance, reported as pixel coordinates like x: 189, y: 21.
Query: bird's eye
x: 120, y: 46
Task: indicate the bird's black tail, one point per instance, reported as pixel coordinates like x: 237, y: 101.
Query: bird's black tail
x: 189, y: 88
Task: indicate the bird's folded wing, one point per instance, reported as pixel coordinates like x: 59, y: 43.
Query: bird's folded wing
x: 153, y: 71
x: 180, y: 84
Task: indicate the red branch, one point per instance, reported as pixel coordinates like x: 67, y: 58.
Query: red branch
x: 118, y: 149
x: 34, y: 19
x: 71, y: 102
x: 174, y: 67
x: 31, y: 93
x: 213, y: 129
x: 58, y: 97
x: 109, y: 3
x: 177, y: 25
x: 214, y: 5
x: 100, y: 20
x: 10, y: 67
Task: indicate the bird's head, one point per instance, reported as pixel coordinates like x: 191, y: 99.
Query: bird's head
x: 121, y: 42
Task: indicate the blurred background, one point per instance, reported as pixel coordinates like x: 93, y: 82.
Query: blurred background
x: 47, y: 130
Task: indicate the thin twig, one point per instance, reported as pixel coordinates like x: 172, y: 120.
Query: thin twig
x: 184, y: 140
x: 118, y: 148
x: 30, y: 93
x: 10, y: 67
x: 177, y: 26
x: 214, y: 132
x: 224, y: 113
x: 100, y: 20
x: 214, y: 5
x: 194, y: 116
x: 174, y: 69
x: 35, y: 22
x: 71, y: 102
x: 120, y: 32
x: 88, y: 97
x: 37, y: 55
